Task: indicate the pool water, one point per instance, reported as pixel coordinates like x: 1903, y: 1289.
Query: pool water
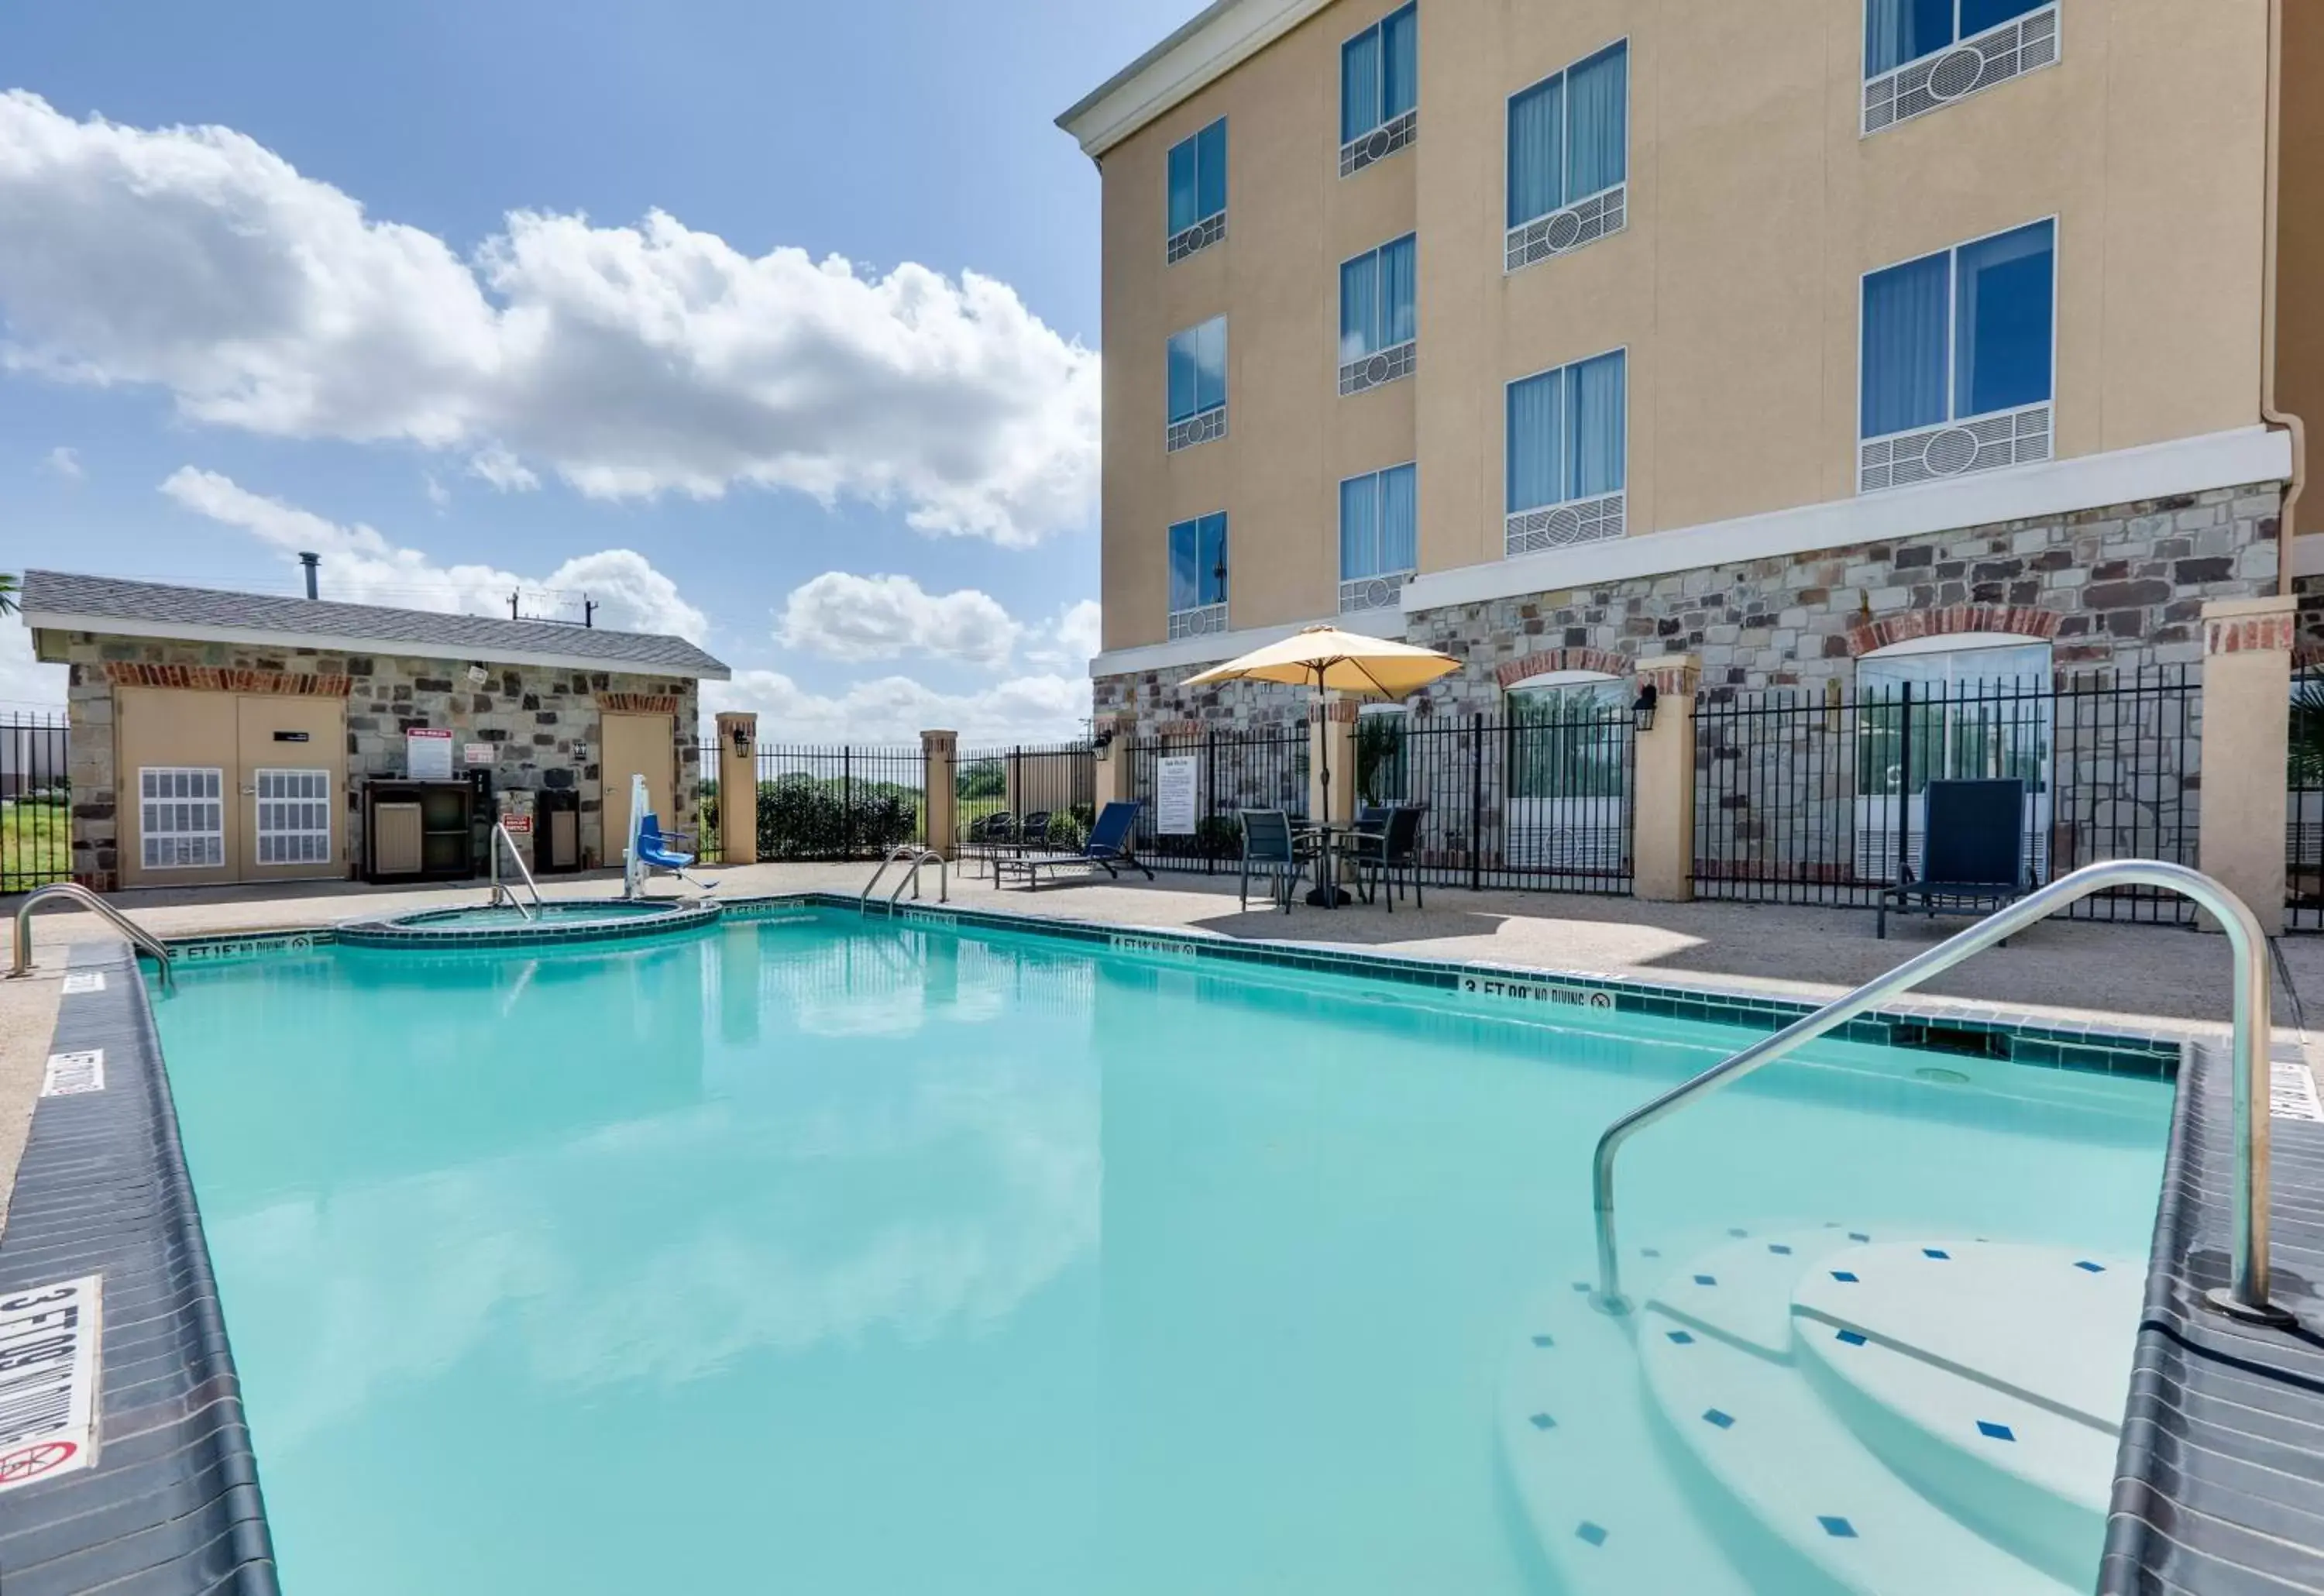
x: 837, y: 1257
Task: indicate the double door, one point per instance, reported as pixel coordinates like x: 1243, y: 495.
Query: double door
x: 218, y: 788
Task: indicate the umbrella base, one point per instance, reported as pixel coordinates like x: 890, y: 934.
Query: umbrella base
x: 1336, y: 897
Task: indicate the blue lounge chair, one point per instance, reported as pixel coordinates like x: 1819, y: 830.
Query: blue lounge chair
x: 1973, y: 858
x: 1108, y: 848
x: 654, y: 848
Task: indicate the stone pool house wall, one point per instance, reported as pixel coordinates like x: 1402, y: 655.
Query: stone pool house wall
x: 544, y: 719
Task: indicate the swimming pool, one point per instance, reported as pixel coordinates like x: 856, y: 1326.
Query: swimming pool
x: 848, y: 1256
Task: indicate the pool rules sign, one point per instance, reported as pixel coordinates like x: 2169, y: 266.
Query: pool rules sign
x: 48, y: 1380
x: 1174, y: 784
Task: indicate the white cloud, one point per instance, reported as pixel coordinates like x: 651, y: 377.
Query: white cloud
x: 361, y: 567
x: 65, y: 463
x: 503, y: 469
x: 439, y: 494
x: 896, y: 709
x: 1072, y: 640
x: 631, y: 361
x: 24, y: 682
x: 840, y: 616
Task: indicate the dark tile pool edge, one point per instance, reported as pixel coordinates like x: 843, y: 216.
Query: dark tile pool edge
x: 172, y: 1503
x: 2219, y: 1483
x: 1939, y: 1027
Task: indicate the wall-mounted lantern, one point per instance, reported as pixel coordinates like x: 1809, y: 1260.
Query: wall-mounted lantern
x: 1641, y: 712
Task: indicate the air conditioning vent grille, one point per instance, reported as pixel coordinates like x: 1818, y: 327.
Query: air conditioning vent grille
x: 1203, y: 429
x: 1963, y: 448
x: 1378, y: 144
x: 1388, y: 366
x: 1199, y: 622
x: 1554, y: 526
x: 1561, y: 232
x: 1204, y: 233
x: 1372, y: 592
x: 2022, y: 45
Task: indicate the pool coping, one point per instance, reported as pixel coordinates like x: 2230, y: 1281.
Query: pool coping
x: 2222, y: 1419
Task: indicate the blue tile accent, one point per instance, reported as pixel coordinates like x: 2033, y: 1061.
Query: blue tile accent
x: 1650, y: 1252
x: 1712, y: 1415
x: 1780, y: 1249
x: 1590, y: 1531
x: 1857, y: 1236
x: 1939, y: 1253
x: 1738, y: 1233
x: 1706, y: 1279
x: 1854, y: 1338
x: 1542, y: 1421
x: 1680, y: 1337
x: 1545, y: 1341
x: 1845, y: 1277
x: 2087, y: 1266
x: 1838, y: 1528
x: 1582, y: 1286
x: 1993, y: 1431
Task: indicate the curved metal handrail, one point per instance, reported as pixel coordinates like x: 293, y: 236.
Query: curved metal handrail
x: 73, y: 891
x: 500, y: 836
x: 2246, y: 1297
x: 919, y: 856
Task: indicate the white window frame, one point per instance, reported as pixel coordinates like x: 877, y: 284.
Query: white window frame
x: 1565, y: 143
x: 1620, y: 512
x: 1865, y: 130
x: 1198, y: 235
x: 1202, y: 620
x: 1376, y: 26
x: 1952, y: 336
x: 1351, y: 587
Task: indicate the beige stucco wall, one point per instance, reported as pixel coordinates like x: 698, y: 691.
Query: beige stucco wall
x: 1754, y: 209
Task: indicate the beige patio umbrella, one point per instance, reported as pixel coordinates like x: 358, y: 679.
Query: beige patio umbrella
x: 1328, y: 658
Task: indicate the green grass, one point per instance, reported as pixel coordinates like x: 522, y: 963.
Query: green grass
x: 35, y: 844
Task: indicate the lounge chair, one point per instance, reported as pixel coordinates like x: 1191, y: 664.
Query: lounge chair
x: 1271, y: 847
x: 654, y: 848
x: 1109, y: 849
x: 1973, y: 855
x: 1390, y: 855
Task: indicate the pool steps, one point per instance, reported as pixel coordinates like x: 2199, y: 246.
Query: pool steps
x: 1825, y: 1410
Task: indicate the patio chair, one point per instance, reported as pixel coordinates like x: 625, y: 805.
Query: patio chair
x: 1271, y: 847
x: 1034, y: 828
x: 1108, y: 847
x: 1388, y: 857
x: 1000, y: 827
x: 1973, y: 855
x: 655, y: 847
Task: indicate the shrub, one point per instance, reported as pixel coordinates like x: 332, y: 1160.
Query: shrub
x: 803, y: 816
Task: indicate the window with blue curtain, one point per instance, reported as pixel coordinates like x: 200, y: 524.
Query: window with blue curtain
x: 1198, y: 369
x: 1376, y: 300
x: 1379, y: 523
x: 1900, y: 30
x: 1379, y: 73
x: 1569, y: 135
x: 1961, y: 333
x: 1567, y: 433
x: 1198, y: 177
x: 1198, y: 563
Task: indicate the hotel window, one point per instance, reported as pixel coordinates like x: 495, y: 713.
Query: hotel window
x: 1376, y: 317
x: 1957, y: 360
x: 1565, y: 455
x: 1198, y: 192
x: 1198, y: 575
x: 1569, y: 153
x: 1198, y: 384
x: 1921, y: 54
x: 1379, y: 537
x: 1380, y: 90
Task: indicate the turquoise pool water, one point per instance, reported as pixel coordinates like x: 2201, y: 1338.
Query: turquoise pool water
x: 840, y: 1256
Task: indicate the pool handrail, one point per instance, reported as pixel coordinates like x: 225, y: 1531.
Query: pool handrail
x: 73, y: 891
x: 500, y: 836
x: 2246, y: 1297
x: 917, y: 858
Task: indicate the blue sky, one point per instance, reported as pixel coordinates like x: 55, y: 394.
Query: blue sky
x: 209, y: 358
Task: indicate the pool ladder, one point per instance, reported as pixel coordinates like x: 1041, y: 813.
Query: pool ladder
x: 501, y: 836
x: 2246, y: 1295
x: 144, y: 941
x: 916, y: 857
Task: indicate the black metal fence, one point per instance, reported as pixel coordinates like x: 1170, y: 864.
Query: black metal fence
x: 1024, y: 792
x: 1807, y: 796
x: 709, y: 845
x: 840, y: 803
x: 2303, y: 835
x: 1209, y: 778
x: 35, y: 802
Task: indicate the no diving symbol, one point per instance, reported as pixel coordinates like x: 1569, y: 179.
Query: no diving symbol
x: 1601, y: 999
x: 30, y: 1463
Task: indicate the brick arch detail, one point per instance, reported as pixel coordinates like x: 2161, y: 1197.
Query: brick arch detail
x: 1549, y: 659
x: 2016, y: 620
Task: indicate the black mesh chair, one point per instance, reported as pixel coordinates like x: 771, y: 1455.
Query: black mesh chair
x: 1390, y: 855
x: 1973, y: 854
x: 1270, y: 848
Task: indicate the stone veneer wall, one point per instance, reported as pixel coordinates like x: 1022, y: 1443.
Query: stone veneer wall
x: 2115, y: 587
x: 534, y: 713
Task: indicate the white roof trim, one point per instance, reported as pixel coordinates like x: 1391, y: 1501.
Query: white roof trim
x: 395, y: 647
x: 1221, y: 39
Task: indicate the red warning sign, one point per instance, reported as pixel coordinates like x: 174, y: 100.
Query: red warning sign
x: 30, y: 1463
x: 517, y: 825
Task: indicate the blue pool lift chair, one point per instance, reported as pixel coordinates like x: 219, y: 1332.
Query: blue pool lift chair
x: 655, y: 848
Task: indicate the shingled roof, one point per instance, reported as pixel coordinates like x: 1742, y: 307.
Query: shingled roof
x: 65, y: 602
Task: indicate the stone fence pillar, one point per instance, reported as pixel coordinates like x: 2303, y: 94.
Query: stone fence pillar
x: 738, y: 788
x: 1662, y: 806
x: 939, y: 756
x: 2247, y: 715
